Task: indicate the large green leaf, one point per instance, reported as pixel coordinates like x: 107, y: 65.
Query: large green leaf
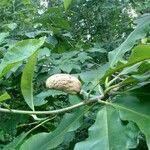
x: 132, y: 69
x: 47, y: 141
x: 26, y: 80
x: 141, y: 93
x: 139, y: 54
x: 139, y: 33
x: 108, y: 133
x: 20, y: 51
x: 132, y: 109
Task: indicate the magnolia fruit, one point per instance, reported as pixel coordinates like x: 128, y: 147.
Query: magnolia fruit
x: 64, y: 82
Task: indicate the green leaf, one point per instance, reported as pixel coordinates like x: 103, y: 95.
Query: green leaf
x: 16, y: 142
x: 26, y: 2
x: 20, y: 51
x: 4, y: 97
x: 3, y: 35
x: 2, y: 138
x: 141, y: 93
x: 47, y: 141
x: 74, y: 99
x: 44, y: 52
x: 128, y: 70
x: 9, y: 68
x: 61, y: 23
x: 67, y: 3
x: 69, y: 66
x: 139, y: 33
x: 39, y: 99
x: 139, y: 53
x: 108, y: 133
x: 82, y: 57
x: 132, y: 109
x: 26, y: 80
x: 144, y: 67
x: 11, y: 26
x: 94, y: 74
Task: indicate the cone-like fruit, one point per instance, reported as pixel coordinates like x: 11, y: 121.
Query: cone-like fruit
x: 64, y: 82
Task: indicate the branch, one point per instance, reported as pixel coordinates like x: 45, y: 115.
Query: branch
x: 52, y: 112
x: 93, y: 99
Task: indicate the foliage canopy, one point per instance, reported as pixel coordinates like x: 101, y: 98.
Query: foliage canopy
x: 105, y: 44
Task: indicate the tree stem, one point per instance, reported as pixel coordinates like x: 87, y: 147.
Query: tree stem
x: 52, y: 112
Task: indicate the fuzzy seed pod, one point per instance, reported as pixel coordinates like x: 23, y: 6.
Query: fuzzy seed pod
x: 64, y: 82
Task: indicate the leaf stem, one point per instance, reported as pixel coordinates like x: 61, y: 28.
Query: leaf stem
x: 46, y: 120
x: 112, y: 87
x: 113, y: 80
x: 106, y: 82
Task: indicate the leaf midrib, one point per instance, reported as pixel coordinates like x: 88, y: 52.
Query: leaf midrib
x: 107, y: 128
x: 61, y: 133
x: 130, y: 110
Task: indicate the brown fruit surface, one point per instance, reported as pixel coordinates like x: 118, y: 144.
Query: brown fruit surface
x: 64, y: 82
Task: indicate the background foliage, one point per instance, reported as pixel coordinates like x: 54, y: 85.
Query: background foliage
x: 103, y: 43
